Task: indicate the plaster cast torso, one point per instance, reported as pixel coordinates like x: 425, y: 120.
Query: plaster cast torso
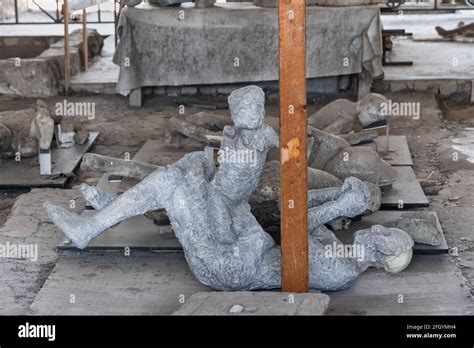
x: 221, y: 238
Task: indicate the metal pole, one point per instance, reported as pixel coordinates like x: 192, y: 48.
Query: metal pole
x: 66, y: 47
x: 16, y: 12
x: 85, y: 38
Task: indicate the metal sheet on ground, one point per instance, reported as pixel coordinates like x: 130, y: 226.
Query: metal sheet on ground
x: 17, y: 175
x: 389, y: 219
x: 138, y: 233
x: 430, y: 285
x: 406, y: 192
x: 399, y: 154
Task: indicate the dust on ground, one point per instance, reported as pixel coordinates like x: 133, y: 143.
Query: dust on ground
x: 437, y: 162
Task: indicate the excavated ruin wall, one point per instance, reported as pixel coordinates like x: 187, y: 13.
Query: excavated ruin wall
x: 41, y: 76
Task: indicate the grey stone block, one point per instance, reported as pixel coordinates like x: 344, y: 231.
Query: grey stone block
x: 266, y: 3
x: 254, y: 303
x: 159, y: 90
x: 189, y: 90
x: 226, y: 89
x: 196, y: 61
x: 147, y: 90
x: 173, y: 91
x: 208, y: 90
x: 204, y: 3
x: 344, y: 2
x: 135, y: 98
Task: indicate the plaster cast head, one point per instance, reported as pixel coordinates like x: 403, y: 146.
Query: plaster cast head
x: 371, y: 109
x: 390, y: 248
x: 247, y: 107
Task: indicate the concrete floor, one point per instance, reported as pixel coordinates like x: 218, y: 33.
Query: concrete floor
x: 431, y: 61
x: 102, y: 72
x: 433, y: 58
x: 422, y: 26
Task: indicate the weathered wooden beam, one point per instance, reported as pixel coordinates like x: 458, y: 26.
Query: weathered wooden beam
x: 293, y: 145
x: 85, y: 39
x: 67, y: 69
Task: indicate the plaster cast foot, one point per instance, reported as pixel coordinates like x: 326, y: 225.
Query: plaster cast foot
x: 80, y: 230
x: 95, y: 197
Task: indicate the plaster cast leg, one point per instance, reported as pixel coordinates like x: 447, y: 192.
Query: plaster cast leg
x: 147, y: 195
x: 348, y: 204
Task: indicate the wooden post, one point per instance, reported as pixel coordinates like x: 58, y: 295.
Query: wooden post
x: 66, y: 47
x: 293, y: 144
x: 85, y: 38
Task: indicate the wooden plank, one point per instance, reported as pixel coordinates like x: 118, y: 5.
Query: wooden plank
x: 20, y: 175
x: 293, y: 144
x: 67, y: 59
x: 406, y: 192
x: 85, y: 39
x: 390, y: 218
x: 66, y: 160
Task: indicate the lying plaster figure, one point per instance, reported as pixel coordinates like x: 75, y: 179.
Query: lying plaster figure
x: 342, y: 116
x: 334, y: 155
x: 225, y: 247
x: 462, y: 30
x: 328, y: 152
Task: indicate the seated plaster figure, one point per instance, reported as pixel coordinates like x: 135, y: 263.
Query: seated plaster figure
x: 225, y: 247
